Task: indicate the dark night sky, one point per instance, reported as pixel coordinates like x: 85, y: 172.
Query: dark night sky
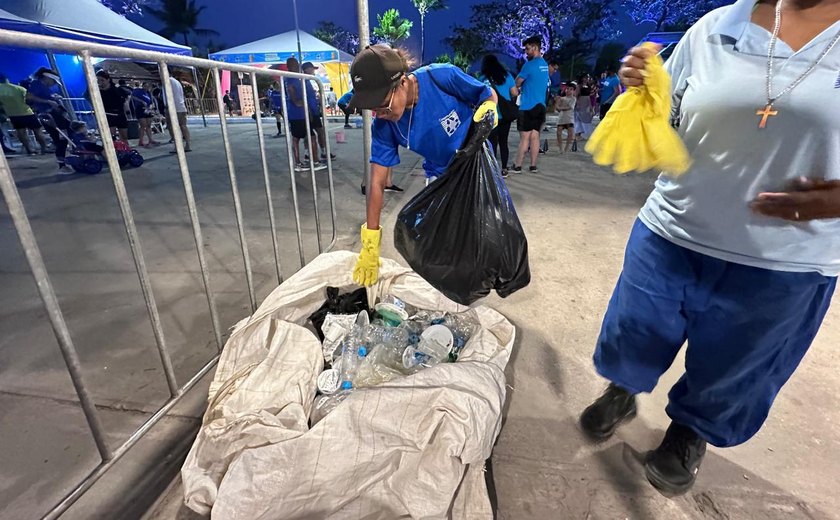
x: 242, y: 21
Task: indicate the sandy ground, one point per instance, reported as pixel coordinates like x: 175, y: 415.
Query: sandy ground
x: 577, y: 218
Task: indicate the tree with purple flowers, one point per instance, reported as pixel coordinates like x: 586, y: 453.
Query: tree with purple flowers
x: 670, y: 14
x: 125, y: 7
x: 337, y: 36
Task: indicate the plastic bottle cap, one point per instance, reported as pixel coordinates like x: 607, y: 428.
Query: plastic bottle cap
x: 328, y: 381
x: 362, y: 351
x: 346, y: 385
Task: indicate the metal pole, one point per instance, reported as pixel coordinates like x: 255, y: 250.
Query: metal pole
x: 188, y: 192
x: 292, y: 171
x: 267, y: 179
x: 311, y: 140
x: 45, y: 288
x: 200, y: 97
x: 329, y: 170
x: 367, y: 120
x: 297, y: 31
x: 130, y: 227
x: 234, y: 188
x: 64, y: 91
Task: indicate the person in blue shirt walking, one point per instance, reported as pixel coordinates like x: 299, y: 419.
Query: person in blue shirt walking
x: 610, y: 90
x: 43, y: 95
x: 501, y: 81
x: 427, y: 111
x: 275, y: 99
x: 738, y: 257
x: 297, y: 116
x: 532, y: 84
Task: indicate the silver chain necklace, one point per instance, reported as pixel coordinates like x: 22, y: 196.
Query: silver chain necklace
x: 410, y: 117
x: 768, y: 111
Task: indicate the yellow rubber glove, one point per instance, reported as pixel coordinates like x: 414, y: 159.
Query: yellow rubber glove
x: 367, y: 267
x: 636, y: 134
x: 483, y: 109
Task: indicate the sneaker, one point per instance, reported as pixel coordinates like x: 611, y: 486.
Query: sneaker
x: 533, y: 169
x: 505, y: 173
x: 672, y: 467
x: 63, y: 169
x: 517, y: 169
x: 394, y: 188
x: 608, y: 412
x: 300, y: 167
x: 348, y: 126
x: 324, y: 156
x: 319, y: 166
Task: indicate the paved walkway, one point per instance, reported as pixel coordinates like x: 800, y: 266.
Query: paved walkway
x: 577, y: 217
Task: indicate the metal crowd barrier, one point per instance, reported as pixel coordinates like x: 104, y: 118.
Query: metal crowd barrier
x: 109, y: 454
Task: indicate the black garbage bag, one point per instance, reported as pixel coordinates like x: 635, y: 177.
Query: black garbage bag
x: 461, y: 233
x: 348, y: 303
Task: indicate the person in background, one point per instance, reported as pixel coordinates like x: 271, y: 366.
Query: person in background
x: 555, y: 82
x: 275, y: 98
x: 610, y: 90
x: 316, y: 114
x: 43, y: 96
x: 501, y: 81
x: 180, y: 103
x: 114, y: 99
x: 297, y: 115
x: 531, y: 84
x: 20, y: 114
x: 3, y: 120
x: 564, y: 104
x: 80, y: 136
x: 584, y: 108
x: 332, y: 101
x: 738, y: 257
x: 228, y: 101
x: 427, y: 111
x: 143, y: 104
x: 343, y: 103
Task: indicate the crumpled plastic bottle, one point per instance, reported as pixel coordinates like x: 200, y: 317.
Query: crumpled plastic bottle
x: 354, y: 348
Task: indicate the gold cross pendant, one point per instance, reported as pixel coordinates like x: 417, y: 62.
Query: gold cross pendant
x: 766, y: 113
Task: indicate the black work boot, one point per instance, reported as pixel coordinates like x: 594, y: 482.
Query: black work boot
x: 604, y: 416
x: 673, y: 466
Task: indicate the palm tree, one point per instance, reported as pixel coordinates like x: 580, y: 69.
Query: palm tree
x: 180, y: 17
x: 424, y: 7
x: 392, y: 28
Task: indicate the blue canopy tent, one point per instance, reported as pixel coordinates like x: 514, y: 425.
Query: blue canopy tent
x: 85, y: 20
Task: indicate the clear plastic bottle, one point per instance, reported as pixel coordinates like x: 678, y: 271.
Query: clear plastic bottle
x: 353, y: 350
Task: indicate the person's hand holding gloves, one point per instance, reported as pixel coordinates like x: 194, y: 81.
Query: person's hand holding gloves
x: 366, y: 272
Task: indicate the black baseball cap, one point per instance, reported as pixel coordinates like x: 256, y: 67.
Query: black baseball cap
x: 375, y: 71
x: 307, y: 65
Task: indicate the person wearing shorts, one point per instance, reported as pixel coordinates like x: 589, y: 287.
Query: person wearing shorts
x: 114, y: 100
x: 297, y: 116
x: 532, y: 84
x: 21, y: 116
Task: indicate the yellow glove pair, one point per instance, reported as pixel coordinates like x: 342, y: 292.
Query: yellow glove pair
x: 483, y: 109
x: 636, y: 134
x: 367, y: 267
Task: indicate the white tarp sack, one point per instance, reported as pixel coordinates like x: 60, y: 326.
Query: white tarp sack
x: 412, y: 448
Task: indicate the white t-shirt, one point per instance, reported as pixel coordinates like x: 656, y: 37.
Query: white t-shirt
x: 566, y: 109
x: 718, y: 74
x: 178, y: 95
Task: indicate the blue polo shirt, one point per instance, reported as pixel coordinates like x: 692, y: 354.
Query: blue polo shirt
x: 345, y: 99
x: 608, y: 86
x: 294, y: 111
x: 707, y: 209
x: 440, y: 122
x: 535, y: 74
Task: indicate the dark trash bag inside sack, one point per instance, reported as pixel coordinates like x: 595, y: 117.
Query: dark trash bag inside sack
x: 348, y: 303
x: 461, y: 233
